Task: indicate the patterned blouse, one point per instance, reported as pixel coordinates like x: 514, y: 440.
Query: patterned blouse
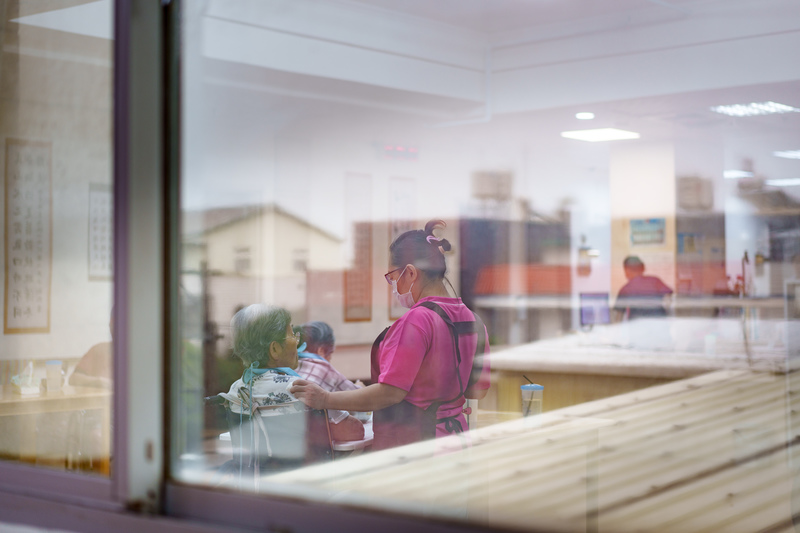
x: 271, y: 389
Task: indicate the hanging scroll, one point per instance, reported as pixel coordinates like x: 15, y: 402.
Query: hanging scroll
x: 100, y: 228
x: 358, y: 276
x: 402, y: 211
x: 28, y: 237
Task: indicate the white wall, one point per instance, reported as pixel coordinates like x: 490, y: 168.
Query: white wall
x: 642, y: 186
x: 59, y: 91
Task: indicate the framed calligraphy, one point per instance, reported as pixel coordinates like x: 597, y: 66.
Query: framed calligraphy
x: 358, y: 275
x: 402, y: 211
x: 101, y: 251
x: 28, y: 236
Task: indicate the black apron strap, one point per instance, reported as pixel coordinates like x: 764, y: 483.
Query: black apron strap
x: 375, y: 365
x: 452, y: 424
x: 454, y: 334
x: 378, y: 340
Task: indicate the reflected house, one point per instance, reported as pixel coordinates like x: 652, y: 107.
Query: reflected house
x: 256, y: 253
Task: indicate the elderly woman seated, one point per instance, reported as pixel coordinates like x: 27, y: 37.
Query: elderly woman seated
x: 264, y: 340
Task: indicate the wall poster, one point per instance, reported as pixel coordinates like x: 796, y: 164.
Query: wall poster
x: 648, y: 231
x: 402, y: 215
x: 358, y: 224
x: 28, y: 236
x: 101, y: 248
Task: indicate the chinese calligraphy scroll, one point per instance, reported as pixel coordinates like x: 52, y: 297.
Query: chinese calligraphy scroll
x: 100, y: 231
x: 358, y: 277
x: 28, y: 237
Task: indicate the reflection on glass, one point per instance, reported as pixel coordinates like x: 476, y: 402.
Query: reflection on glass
x: 55, y: 350
x: 644, y: 283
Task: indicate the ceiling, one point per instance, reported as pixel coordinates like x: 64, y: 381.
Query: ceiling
x: 491, y: 16
x: 662, y: 117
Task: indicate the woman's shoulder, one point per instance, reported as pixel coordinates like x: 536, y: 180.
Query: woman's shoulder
x: 454, y: 307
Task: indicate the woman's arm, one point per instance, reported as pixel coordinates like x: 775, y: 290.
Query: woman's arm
x: 79, y: 379
x: 372, y: 398
x: 475, y: 394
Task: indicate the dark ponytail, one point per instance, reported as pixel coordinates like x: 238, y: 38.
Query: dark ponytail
x: 422, y: 249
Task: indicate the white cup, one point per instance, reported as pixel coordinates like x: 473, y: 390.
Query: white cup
x: 53, y: 375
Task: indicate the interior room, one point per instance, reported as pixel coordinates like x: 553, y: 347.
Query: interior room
x: 569, y: 148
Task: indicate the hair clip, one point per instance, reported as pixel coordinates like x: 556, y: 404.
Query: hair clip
x: 431, y: 238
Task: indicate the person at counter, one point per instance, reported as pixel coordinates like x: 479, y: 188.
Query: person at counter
x: 263, y: 339
x: 315, y: 365
x: 94, y: 369
x: 428, y: 362
x: 643, y: 296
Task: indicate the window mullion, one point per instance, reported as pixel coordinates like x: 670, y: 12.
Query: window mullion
x: 138, y: 147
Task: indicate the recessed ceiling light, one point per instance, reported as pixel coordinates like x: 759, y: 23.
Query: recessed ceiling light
x: 736, y: 174
x: 788, y: 154
x: 584, y: 115
x: 788, y: 182
x: 753, y: 109
x: 601, y: 134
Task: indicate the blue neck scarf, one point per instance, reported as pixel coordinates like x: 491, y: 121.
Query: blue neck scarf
x: 308, y: 355
x: 253, y: 371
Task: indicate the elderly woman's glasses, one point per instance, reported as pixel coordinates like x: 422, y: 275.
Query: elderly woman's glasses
x: 388, y: 275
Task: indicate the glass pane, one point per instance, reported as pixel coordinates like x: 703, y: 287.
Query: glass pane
x: 55, y: 350
x: 618, y: 190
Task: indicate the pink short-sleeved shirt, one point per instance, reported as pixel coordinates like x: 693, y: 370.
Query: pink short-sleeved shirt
x: 417, y: 356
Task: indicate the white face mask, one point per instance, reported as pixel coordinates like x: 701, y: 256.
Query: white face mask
x: 406, y: 299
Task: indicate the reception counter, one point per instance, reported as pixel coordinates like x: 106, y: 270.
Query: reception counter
x: 627, y: 356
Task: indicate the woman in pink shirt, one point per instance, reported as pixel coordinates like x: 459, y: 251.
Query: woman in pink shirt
x: 427, y: 362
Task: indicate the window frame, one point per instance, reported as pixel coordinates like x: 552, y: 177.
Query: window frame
x: 146, y: 156
x: 136, y: 478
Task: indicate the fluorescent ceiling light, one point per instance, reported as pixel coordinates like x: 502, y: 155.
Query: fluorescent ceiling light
x: 753, y: 109
x: 584, y: 115
x: 601, y: 134
x: 789, y: 182
x: 736, y: 174
x: 788, y: 154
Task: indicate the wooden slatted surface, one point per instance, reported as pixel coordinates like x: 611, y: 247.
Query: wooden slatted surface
x: 703, y: 454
